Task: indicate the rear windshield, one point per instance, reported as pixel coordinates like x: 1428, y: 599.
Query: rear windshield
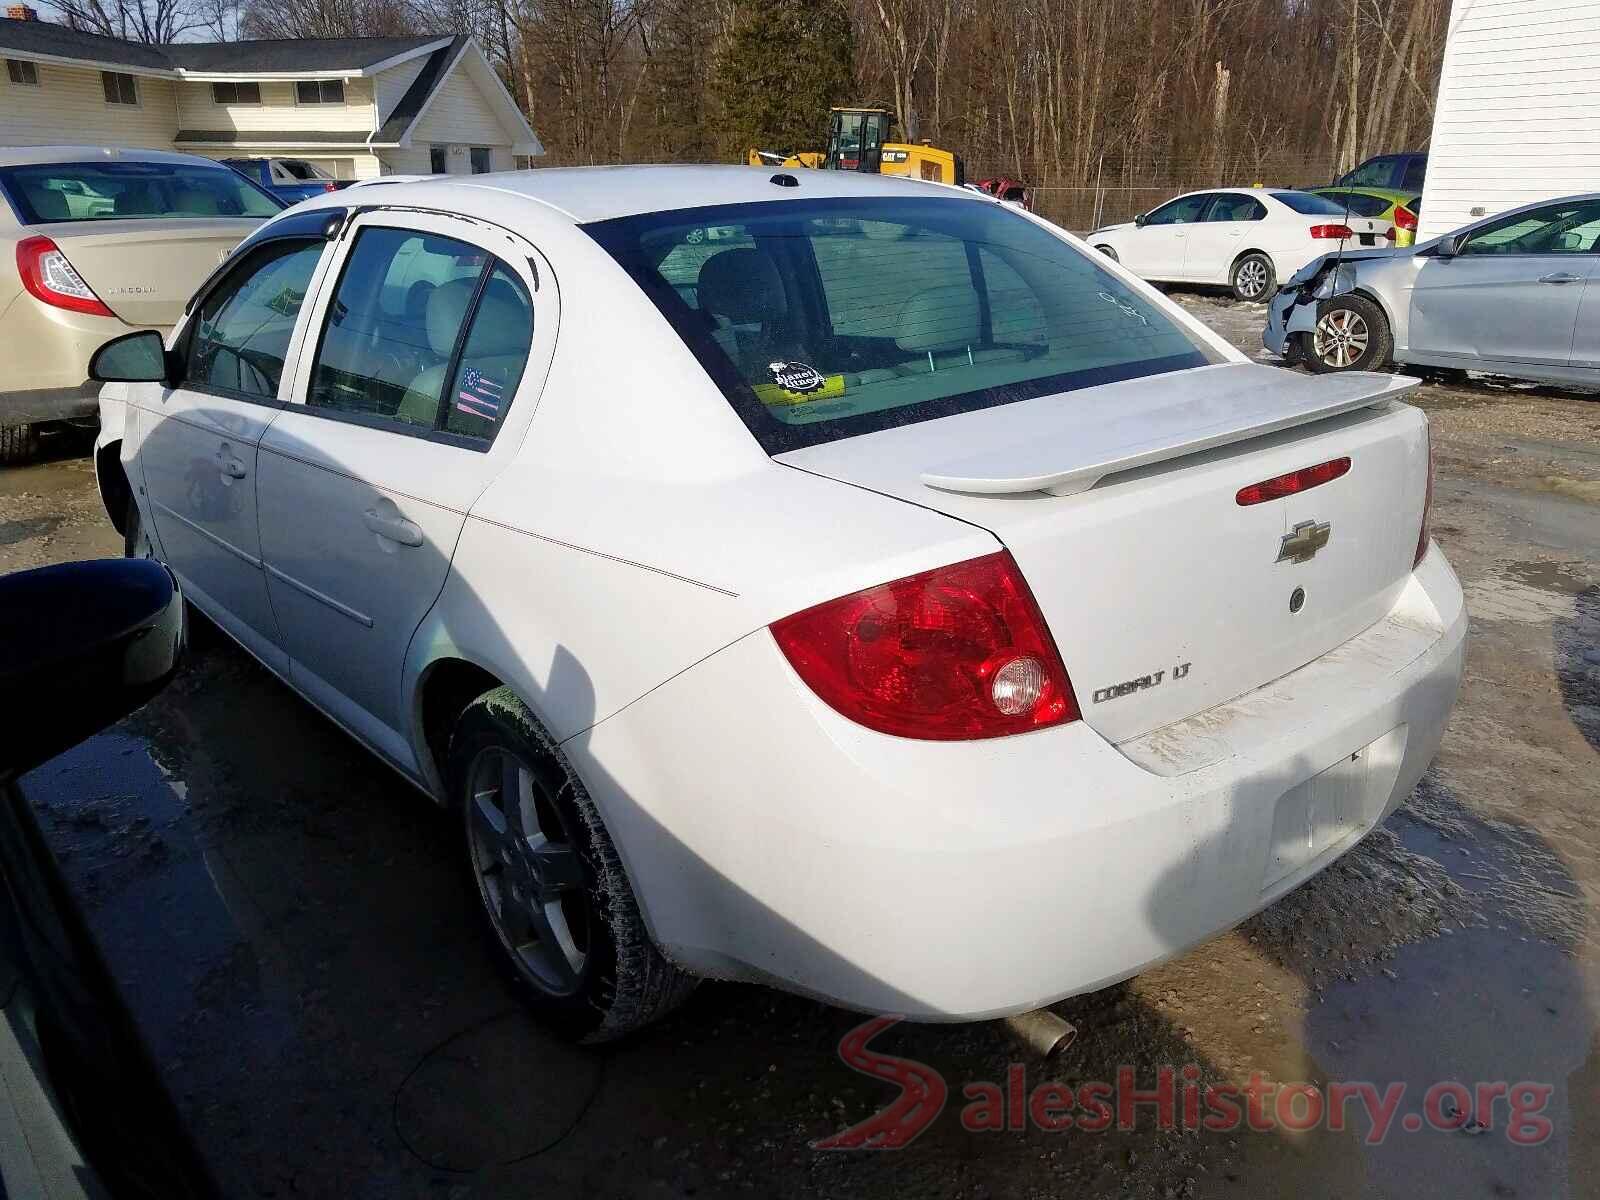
x: 823, y: 319
x: 117, y: 191
x: 1312, y: 206
x: 1360, y: 205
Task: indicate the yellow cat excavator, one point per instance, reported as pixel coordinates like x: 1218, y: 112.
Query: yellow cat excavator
x: 858, y: 140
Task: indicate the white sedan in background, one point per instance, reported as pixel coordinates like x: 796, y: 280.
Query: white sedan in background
x: 856, y: 602
x: 1246, y: 238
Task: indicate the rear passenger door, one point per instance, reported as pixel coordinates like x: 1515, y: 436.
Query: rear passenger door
x: 1217, y: 240
x: 420, y: 372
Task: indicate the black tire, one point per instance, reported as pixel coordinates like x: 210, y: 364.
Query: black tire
x: 623, y: 982
x: 1109, y: 253
x: 1253, y: 278
x: 18, y: 444
x: 1352, y: 334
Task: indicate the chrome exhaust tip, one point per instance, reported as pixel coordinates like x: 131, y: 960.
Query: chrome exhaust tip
x: 1041, y: 1032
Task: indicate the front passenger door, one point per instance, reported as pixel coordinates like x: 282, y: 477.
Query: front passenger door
x: 199, y: 457
x: 1512, y: 293
x: 1158, y: 250
x: 421, y: 370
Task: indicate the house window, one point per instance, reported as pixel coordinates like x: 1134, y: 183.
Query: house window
x: 236, y: 93
x: 120, y: 88
x: 319, y: 91
x: 480, y: 160
x: 438, y: 163
x: 20, y: 71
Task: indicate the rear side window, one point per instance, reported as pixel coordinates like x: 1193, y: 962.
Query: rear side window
x: 823, y: 319
x: 241, y: 333
x: 424, y: 331
x: 1233, y: 207
x: 1416, y: 172
x: 1309, y: 204
x: 119, y: 191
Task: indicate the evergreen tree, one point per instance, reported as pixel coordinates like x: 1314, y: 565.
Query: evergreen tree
x: 784, y: 63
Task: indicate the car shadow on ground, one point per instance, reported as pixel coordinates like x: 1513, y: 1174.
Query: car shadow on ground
x: 1576, y: 644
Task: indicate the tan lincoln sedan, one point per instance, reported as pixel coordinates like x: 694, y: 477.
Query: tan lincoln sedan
x: 96, y: 241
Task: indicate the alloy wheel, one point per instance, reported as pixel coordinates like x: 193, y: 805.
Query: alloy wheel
x: 530, y: 877
x: 1251, y: 278
x: 1341, y: 338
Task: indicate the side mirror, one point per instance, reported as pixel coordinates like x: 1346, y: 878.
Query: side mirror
x: 82, y: 644
x: 1141, y: 219
x: 139, y: 357
x: 1449, y: 246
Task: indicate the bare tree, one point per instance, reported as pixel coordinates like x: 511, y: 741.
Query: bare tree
x: 150, y: 21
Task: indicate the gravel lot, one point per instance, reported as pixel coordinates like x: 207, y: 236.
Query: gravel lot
x: 290, y: 932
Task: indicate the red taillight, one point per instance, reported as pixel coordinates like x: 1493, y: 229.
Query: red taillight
x: 1405, y: 219
x: 49, y: 277
x: 330, y: 186
x: 1294, y: 481
x: 1427, y: 505
x: 1388, y: 234
x: 955, y: 653
x: 1338, y: 232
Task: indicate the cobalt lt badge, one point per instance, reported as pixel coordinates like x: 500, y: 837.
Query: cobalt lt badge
x: 1303, y: 541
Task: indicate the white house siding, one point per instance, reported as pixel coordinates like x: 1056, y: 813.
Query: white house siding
x: 277, y: 109
x: 69, y: 106
x: 412, y: 160
x: 390, y: 85
x: 459, y: 117
x: 1518, y: 114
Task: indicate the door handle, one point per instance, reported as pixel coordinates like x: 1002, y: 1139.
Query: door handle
x: 396, y: 529
x: 1560, y: 277
x: 231, y: 467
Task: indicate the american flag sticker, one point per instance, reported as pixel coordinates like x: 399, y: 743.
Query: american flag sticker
x: 479, y: 395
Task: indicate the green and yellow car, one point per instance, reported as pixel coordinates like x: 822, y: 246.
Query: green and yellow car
x: 1400, y: 209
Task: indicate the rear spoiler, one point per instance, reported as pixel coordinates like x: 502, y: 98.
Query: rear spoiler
x: 1121, y: 426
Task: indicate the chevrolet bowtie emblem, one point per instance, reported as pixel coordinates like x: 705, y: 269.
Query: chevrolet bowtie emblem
x: 1304, y: 541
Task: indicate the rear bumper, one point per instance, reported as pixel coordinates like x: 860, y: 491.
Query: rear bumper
x: 769, y: 839
x: 45, y: 377
x: 29, y: 405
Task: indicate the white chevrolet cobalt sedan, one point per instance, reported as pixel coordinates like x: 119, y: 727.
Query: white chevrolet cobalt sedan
x: 850, y: 584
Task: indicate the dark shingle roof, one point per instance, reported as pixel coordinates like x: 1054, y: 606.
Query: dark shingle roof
x: 297, y: 54
x: 41, y: 37
x: 410, y: 104
x: 263, y: 57
x: 286, y: 137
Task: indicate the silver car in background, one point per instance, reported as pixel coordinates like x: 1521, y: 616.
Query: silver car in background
x: 1509, y: 295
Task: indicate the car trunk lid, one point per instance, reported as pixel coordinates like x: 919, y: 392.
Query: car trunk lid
x: 145, y: 270
x: 1164, y: 594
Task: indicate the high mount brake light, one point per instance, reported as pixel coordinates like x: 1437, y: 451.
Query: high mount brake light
x: 50, y: 278
x: 960, y: 652
x: 1295, y: 481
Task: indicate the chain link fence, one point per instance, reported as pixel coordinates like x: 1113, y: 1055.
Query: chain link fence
x: 1113, y: 194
